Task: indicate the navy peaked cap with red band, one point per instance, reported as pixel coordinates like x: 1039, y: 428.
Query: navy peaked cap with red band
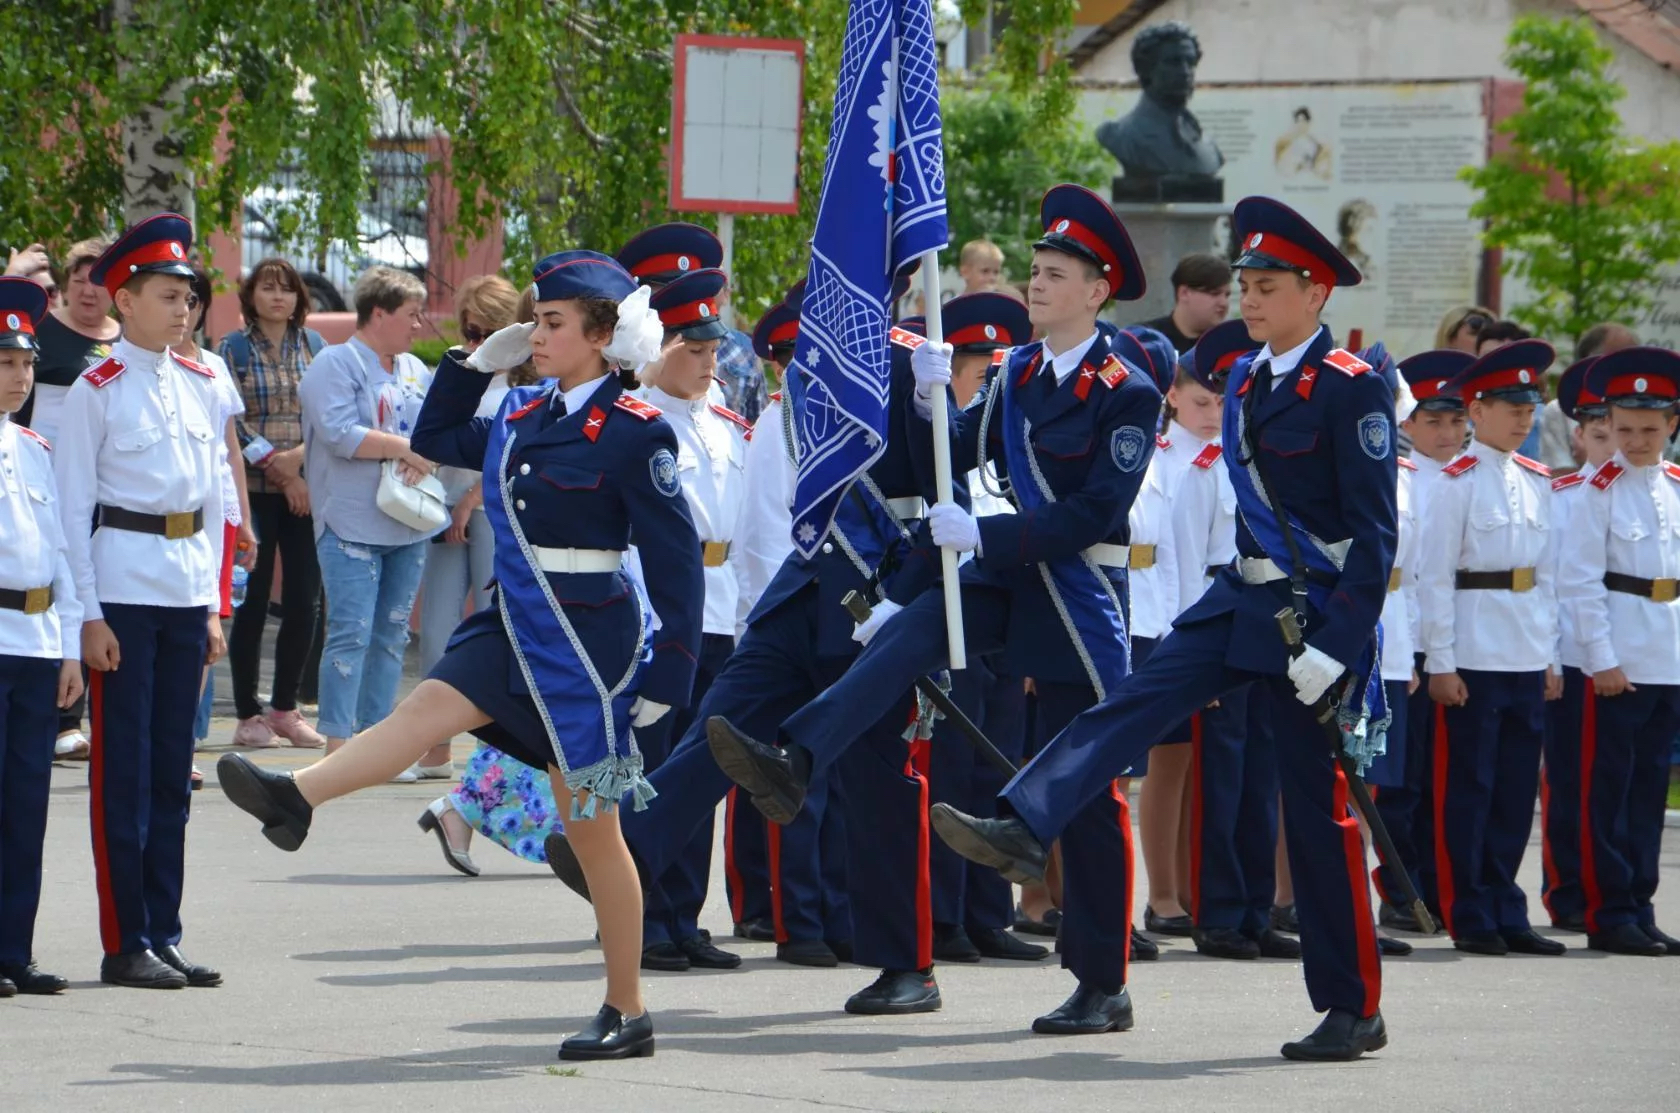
x: 157, y: 245
x: 795, y: 296
x: 1079, y: 223
x: 1274, y: 237
x: 1512, y: 373
x: 1573, y: 398
x: 779, y: 327
x: 666, y: 252
x: 1148, y: 350
x: 22, y: 305
x: 1210, y: 361
x: 569, y: 275
x: 690, y: 305
x: 1637, y: 378
x: 1429, y: 374
x: 984, y: 322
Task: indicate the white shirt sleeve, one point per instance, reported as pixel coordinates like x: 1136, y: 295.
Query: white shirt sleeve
x: 81, y: 428
x: 1582, y: 559
x: 1440, y: 543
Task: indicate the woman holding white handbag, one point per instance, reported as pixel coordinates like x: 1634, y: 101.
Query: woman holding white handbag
x: 376, y: 502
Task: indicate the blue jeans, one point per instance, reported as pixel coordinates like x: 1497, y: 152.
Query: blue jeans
x: 370, y: 592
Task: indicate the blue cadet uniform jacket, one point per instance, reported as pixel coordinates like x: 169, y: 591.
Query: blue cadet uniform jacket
x: 1091, y: 438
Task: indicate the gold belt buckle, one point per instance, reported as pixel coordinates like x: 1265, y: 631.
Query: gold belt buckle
x: 37, y: 600
x: 179, y: 527
x: 1665, y: 591
x: 714, y: 553
x: 1394, y: 579
x: 1143, y: 556
x: 1522, y: 579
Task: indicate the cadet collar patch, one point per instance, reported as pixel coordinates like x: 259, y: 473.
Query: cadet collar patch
x: 105, y: 371
x: 194, y: 366
x: 1346, y: 362
x: 1606, y: 475
x: 593, y: 423
x: 34, y: 436
x: 1461, y: 465
x: 1564, y: 482
x: 1534, y: 466
x: 1207, y: 457
x: 1162, y: 442
x: 1305, y: 380
x: 1405, y: 463
x: 644, y: 410
x: 528, y: 407
x: 904, y: 338
x: 731, y: 416
x: 1031, y: 367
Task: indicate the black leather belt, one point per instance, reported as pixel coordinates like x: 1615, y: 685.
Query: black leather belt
x: 173, y: 526
x: 1517, y: 579
x: 1658, y: 591
x: 36, y: 600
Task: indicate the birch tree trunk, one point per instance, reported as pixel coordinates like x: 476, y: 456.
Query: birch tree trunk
x: 155, y: 173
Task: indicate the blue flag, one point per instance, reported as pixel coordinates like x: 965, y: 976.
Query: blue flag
x: 883, y: 204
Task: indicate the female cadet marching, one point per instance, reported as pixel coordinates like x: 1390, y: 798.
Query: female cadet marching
x: 562, y: 668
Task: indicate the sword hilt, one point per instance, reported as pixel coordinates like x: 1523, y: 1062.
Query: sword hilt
x: 856, y: 606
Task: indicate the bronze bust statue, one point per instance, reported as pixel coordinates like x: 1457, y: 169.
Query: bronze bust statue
x: 1160, y: 138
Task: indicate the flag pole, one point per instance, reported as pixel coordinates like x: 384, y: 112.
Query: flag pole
x: 942, y: 461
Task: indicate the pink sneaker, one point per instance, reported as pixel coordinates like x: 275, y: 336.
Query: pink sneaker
x: 297, y: 733
x: 253, y: 734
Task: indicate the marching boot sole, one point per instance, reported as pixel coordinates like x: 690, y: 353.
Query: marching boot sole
x: 640, y: 1050
x: 246, y: 791
x: 967, y: 842
x: 1301, y: 1054
x: 737, y: 763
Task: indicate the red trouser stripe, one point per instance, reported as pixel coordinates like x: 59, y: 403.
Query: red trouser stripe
x: 1589, y: 753
x: 1364, y: 927
x: 1443, y: 857
x: 731, y: 871
x: 1124, y: 817
x: 1376, y: 874
x: 916, y: 768
x: 773, y: 847
x: 1548, y: 865
x: 1196, y: 817
x: 110, y: 932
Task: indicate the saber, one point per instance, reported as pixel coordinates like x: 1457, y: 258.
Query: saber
x: 858, y: 607
x: 1325, y: 712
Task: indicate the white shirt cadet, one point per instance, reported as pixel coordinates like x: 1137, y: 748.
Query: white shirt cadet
x: 1154, y: 576
x: 32, y: 538
x: 1566, y: 513
x: 139, y: 433
x: 764, y: 532
x: 1628, y: 522
x: 1398, y: 613
x: 1204, y: 521
x: 1489, y: 511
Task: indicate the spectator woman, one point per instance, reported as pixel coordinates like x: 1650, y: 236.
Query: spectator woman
x: 1460, y: 327
x: 267, y: 358
x: 359, y: 402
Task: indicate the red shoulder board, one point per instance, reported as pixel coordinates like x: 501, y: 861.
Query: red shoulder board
x: 1000, y: 356
x: 1162, y: 442
x: 904, y: 338
x: 1461, y: 465
x: 527, y: 407
x: 1113, y: 371
x: 1564, y: 482
x: 1534, y: 466
x: 592, y: 424
x: 1606, y: 475
x: 1672, y: 471
x: 105, y: 371
x: 730, y: 415
x: 34, y: 436
x: 193, y: 365
x: 1207, y: 457
x: 1346, y: 362
x: 1407, y: 464
x: 776, y: 397
x: 644, y: 410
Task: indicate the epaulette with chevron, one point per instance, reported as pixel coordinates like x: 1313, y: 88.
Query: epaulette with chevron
x: 1534, y: 466
x: 105, y: 371
x: 1346, y: 362
x: 904, y: 338
x: 1207, y: 457
x: 1564, y: 482
x: 34, y: 436
x: 647, y: 411
x: 1460, y: 466
x: 1606, y: 475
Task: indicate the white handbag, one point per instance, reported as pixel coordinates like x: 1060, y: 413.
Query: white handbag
x: 419, y: 506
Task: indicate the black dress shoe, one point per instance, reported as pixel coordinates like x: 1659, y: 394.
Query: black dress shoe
x: 952, y: 944
x: 766, y: 772
x: 756, y: 931
x: 8, y: 988
x: 1143, y: 948
x: 1048, y: 926
x: 1483, y: 943
x: 1005, y: 844
x: 1671, y: 944
x: 702, y: 955
x: 1340, y: 1038
x: 272, y: 797
x: 1397, y: 918
x: 200, y: 976
x: 806, y: 952
x: 666, y: 957
x: 1224, y: 943
x: 1274, y: 944
x: 28, y: 979
x: 842, y: 949
x: 997, y: 943
x: 1526, y: 942
x: 563, y: 863
x: 1625, y: 939
x: 1167, y: 925
x: 1390, y: 947
x: 1285, y: 918
x: 1088, y: 1012
x: 895, y: 993
x: 1576, y: 922
x: 611, y: 1036
x: 140, y: 970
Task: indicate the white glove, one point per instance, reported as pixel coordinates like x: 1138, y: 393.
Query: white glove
x: 931, y: 364
x: 953, y: 527
x: 1313, y: 671
x: 503, y: 349
x: 870, y: 626
x: 645, y: 712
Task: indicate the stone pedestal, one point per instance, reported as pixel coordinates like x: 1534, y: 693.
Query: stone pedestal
x: 1164, y: 234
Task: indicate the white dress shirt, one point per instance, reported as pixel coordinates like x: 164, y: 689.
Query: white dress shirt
x: 1398, y: 612
x: 1487, y: 513
x: 1288, y: 361
x: 1566, y: 513
x: 146, y: 441
x: 1154, y: 590
x: 231, y: 405
x: 764, y: 531
x: 32, y: 538
x: 1627, y: 521
x: 1068, y: 362
x: 1204, y: 518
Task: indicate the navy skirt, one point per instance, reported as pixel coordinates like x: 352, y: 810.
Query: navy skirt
x: 480, y: 664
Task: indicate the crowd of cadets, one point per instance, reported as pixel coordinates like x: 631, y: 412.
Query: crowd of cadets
x: 1531, y: 634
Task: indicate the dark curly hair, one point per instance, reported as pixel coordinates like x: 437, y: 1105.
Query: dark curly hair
x: 1150, y: 41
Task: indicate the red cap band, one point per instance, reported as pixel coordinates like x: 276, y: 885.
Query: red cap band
x: 690, y: 313
x: 1082, y: 235
x: 1269, y: 243
x: 1224, y: 362
x: 785, y: 333
x: 160, y: 251
x: 978, y: 334
x: 664, y: 264
x: 1515, y: 376
x: 1657, y: 386
x: 17, y: 322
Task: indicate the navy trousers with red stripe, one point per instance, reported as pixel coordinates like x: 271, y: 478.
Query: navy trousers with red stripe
x: 140, y: 772
x: 1233, y: 814
x: 1560, y: 800
x: 1403, y: 800
x: 1187, y: 671
x: 1625, y: 753
x: 28, y: 725
x: 746, y: 861
x: 1487, y: 771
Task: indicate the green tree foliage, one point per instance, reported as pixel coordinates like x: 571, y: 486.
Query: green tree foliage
x: 1589, y: 217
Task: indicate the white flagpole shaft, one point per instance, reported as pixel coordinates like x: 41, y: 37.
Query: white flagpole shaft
x: 942, y: 462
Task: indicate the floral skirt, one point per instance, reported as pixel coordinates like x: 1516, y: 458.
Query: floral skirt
x: 508, y: 802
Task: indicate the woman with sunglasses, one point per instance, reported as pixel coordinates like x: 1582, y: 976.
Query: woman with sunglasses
x: 1461, y: 327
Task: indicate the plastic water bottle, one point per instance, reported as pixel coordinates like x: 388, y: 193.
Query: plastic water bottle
x: 240, y: 577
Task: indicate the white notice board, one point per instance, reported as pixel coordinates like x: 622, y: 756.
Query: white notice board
x: 735, y: 117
